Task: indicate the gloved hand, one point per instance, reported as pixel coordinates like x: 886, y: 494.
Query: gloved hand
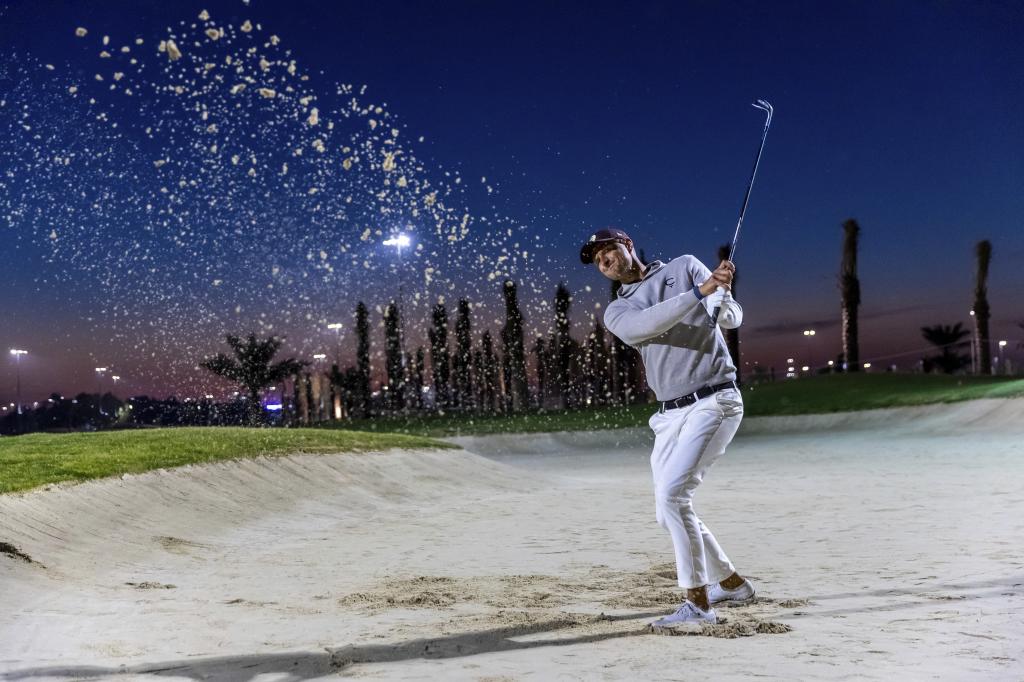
x: 731, y: 315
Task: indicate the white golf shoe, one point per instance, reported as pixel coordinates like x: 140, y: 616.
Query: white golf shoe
x: 687, y: 616
x: 740, y: 595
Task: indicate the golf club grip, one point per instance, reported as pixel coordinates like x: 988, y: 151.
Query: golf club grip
x: 714, y: 317
x: 717, y: 310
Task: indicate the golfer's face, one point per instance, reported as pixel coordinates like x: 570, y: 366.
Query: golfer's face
x: 613, y: 261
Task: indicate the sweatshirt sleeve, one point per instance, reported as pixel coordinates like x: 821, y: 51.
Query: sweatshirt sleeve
x: 636, y: 325
x: 731, y: 316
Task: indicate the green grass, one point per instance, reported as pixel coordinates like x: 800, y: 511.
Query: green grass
x: 809, y: 395
x: 846, y: 393
x: 38, y: 459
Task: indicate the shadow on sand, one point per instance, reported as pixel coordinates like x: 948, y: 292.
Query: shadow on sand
x: 301, y: 665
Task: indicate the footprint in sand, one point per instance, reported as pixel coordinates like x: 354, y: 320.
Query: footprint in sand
x: 152, y: 586
x: 178, y: 545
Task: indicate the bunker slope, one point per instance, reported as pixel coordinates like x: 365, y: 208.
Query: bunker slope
x: 882, y: 543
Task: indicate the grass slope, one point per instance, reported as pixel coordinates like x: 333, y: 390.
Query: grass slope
x: 38, y: 459
x: 850, y: 392
x: 809, y: 395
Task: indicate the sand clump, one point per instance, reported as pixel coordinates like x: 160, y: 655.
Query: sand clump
x: 793, y: 603
x: 10, y: 550
x: 525, y: 600
x: 731, y: 627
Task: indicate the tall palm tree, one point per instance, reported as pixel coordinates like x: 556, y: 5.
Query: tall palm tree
x: 947, y: 339
x: 983, y: 252
x: 252, y: 368
x: 849, y: 287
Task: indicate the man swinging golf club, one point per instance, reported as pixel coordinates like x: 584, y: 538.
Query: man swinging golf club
x: 662, y: 310
x: 668, y: 313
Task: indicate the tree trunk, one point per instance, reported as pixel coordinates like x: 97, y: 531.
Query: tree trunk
x: 317, y: 407
x: 983, y: 251
x: 302, y: 398
x: 850, y: 289
x: 255, y: 408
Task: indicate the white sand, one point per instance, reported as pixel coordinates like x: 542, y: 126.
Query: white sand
x: 890, y: 542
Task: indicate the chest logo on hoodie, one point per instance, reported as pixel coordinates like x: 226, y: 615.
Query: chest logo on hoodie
x: 670, y: 282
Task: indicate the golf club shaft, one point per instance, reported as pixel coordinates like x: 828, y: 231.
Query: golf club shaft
x: 764, y: 106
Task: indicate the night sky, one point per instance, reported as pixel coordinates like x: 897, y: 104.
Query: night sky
x: 540, y: 121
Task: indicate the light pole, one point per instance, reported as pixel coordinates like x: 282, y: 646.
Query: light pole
x: 400, y: 241
x: 17, y: 353
x: 318, y: 386
x: 99, y: 388
x: 809, y: 333
x: 1002, y: 345
x: 974, y: 346
x: 337, y: 326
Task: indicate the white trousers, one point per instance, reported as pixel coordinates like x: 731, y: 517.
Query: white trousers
x: 687, y: 441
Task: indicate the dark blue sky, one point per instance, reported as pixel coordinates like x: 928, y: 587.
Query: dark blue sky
x: 905, y: 116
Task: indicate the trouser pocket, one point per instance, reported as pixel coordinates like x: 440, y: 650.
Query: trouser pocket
x: 730, y: 401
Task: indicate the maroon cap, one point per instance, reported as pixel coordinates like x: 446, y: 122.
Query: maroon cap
x: 603, y: 236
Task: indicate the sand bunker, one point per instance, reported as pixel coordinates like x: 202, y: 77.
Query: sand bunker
x: 455, y: 566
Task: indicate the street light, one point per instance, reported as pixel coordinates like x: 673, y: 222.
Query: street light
x: 17, y: 353
x: 337, y: 326
x: 400, y: 241
x: 974, y: 346
x: 1002, y: 345
x: 808, y: 333
x: 99, y: 387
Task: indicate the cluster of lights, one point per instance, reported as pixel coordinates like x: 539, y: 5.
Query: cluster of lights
x: 401, y: 241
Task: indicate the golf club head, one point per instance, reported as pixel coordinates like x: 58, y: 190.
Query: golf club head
x: 763, y: 105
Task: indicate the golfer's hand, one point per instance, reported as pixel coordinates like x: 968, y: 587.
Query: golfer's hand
x: 721, y: 277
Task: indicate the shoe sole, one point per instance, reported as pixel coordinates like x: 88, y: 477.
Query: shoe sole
x: 735, y: 602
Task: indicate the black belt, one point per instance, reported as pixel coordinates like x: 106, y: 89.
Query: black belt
x: 691, y: 398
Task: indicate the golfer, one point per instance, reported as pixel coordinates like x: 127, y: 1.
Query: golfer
x: 663, y: 310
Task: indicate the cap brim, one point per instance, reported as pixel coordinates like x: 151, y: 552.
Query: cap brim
x: 588, y: 250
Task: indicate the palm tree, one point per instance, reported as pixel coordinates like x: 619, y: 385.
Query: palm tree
x: 849, y: 287
x: 252, y: 368
x: 947, y: 339
x: 517, y: 391
x: 983, y: 251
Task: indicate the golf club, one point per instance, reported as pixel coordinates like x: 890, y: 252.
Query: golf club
x: 767, y: 108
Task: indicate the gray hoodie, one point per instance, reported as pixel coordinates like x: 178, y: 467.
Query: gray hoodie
x: 664, y: 318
